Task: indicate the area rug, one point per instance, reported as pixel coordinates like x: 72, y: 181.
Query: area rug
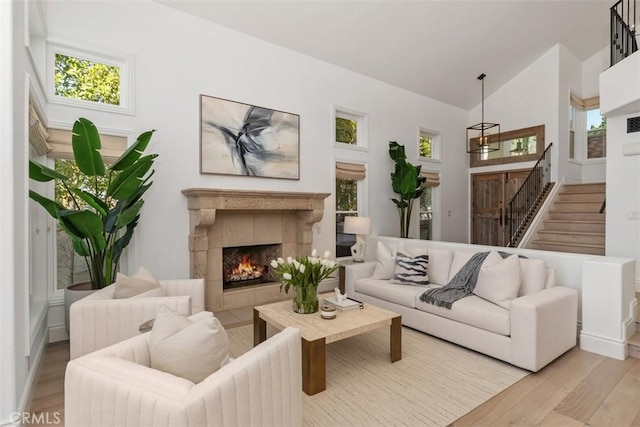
x: 434, y: 384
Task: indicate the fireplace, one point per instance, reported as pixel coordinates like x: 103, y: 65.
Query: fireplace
x: 221, y: 219
x: 248, y: 265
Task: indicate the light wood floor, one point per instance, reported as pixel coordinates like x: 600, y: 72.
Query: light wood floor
x: 580, y: 388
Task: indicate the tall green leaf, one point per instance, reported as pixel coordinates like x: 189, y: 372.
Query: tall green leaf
x: 128, y: 181
x: 129, y: 215
x: 84, y: 225
x: 41, y: 173
x: 133, y: 153
x: 86, y: 143
x: 51, y: 206
x: 92, y: 200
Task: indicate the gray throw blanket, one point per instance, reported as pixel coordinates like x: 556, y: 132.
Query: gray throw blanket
x: 459, y: 286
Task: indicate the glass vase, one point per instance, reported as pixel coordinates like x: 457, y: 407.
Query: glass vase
x: 305, y: 300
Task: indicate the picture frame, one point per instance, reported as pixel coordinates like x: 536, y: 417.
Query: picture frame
x: 247, y: 140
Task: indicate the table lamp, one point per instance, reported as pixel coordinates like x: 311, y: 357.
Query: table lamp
x: 360, y: 226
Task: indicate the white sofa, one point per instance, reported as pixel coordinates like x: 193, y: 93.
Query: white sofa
x: 536, y: 329
x: 100, y: 320
x: 116, y: 387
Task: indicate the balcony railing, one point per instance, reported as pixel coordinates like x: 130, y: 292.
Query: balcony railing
x: 623, y: 30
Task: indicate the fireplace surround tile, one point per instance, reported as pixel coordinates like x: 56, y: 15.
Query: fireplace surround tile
x: 238, y: 229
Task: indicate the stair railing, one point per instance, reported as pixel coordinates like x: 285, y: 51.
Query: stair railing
x: 623, y: 30
x: 523, y: 205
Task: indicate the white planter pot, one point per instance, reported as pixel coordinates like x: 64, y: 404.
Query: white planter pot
x: 72, y: 294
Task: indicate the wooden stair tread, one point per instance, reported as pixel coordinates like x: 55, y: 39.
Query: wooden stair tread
x: 580, y: 245
x: 571, y: 233
x: 569, y: 221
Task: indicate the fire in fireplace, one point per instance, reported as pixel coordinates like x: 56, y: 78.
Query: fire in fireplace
x: 248, y: 265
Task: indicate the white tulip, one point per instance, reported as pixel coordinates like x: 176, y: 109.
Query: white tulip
x: 301, y: 268
x: 296, y: 264
x: 280, y: 261
x: 327, y: 254
x: 274, y: 263
x: 314, y: 261
x: 289, y: 260
x: 314, y: 253
x: 332, y: 264
x: 286, y: 276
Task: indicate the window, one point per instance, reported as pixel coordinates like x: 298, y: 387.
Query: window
x: 426, y: 204
x: 349, y: 178
x: 572, y: 132
x: 350, y: 128
x: 346, y: 131
x: 85, y: 79
x: 428, y: 144
x: 426, y: 215
x: 587, y: 129
x: 520, y: 145
x: 90, y: 80
x: 596, y: 135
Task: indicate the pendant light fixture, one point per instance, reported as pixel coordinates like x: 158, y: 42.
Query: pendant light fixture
x: 483, y: 137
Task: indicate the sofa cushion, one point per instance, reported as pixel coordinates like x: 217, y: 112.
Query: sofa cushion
x: 499, y: 279
x: 185, y: 348
x: 532, y: 276
x: 439, y: 266
x: 128, y: 286
x: 400, y: 294
x: 410, y: 270
x: 386, y: 261
x: 460, y: 258
x: 473, y: 311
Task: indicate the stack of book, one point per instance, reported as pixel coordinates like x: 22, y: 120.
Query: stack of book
x: 346, y: 304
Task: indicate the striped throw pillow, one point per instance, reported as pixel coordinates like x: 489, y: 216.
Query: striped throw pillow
x: 410, y: 270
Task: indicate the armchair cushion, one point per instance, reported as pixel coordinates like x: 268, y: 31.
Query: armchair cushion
x: 141, y: 281
x: 185, y: 348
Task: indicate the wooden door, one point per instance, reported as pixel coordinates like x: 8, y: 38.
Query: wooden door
x: 490, y: 197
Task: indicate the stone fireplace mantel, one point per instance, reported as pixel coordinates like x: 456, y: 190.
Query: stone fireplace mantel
x: 223, y: 218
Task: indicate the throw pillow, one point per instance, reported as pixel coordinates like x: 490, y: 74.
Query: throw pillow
x: 128, y: 286
x: 533, y: 274
x: 499, y: 279
x: 410, y: 270
x: 460, y: 258
x: 439, y: 266
x: 386, y: 262
x: 185, y: 348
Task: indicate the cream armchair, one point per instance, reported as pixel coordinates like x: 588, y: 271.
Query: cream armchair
x: 116, y: 387
x: 99, y: 320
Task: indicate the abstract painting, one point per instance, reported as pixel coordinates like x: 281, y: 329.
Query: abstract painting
x: 243, y: 139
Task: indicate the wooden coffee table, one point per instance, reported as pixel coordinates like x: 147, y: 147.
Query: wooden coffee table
x: 318, y: 332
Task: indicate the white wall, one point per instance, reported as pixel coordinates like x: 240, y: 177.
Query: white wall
x: 618, y: 103
x: 22, y: 307
x: 8, y: 395
x: 178, y: 57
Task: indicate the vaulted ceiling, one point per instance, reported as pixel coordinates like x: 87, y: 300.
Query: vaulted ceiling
x: 434, y: 48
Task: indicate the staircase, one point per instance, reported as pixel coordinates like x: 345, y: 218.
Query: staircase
x: 574, y: 223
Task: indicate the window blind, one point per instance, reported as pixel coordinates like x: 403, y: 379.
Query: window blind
x: 350, y: 171
x: 61, y: 148
x: 433, y: 179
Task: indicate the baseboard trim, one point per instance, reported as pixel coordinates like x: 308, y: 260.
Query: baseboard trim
x: 603, y: 346
x: 58, y: 333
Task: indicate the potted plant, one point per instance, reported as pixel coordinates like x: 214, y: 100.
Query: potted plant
x: 407, y: 183
x: 99, y: 222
